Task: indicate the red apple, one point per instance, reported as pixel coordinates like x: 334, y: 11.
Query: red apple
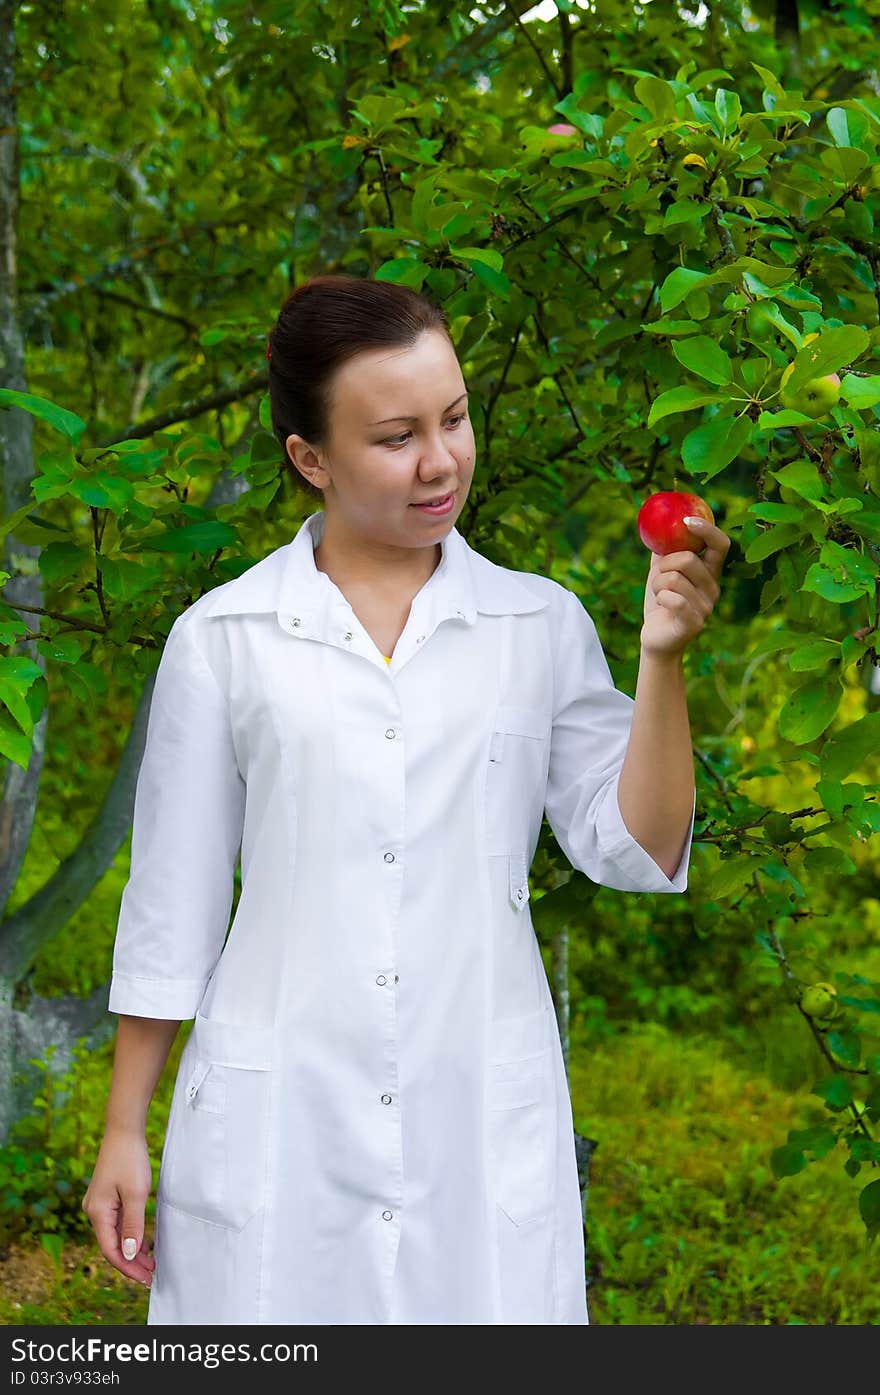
x: 661, y: 525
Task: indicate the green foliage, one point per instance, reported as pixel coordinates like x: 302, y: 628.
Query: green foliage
x: 46, y: 1162
x: 688, y: 1222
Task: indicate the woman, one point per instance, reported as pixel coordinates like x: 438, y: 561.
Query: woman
x: 371, y: 1121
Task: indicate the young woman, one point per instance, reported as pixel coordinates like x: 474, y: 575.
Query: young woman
x: 371, y: 1122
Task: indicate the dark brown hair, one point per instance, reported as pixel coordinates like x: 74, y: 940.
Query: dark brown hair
x: 321, y: 325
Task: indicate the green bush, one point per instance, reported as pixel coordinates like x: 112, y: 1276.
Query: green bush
x: 47, y: 1161
x: 686, y: 1221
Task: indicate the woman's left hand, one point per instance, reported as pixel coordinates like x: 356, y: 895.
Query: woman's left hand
x: 681, y: 592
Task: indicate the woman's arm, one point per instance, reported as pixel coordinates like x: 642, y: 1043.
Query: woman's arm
x: 143, y: 1045
x: 655, y: 792
x: 116, y: 1198
x: 656, y: 785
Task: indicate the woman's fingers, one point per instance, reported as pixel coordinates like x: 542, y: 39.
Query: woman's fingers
x: 717, y: 543
x: 111, y: 1236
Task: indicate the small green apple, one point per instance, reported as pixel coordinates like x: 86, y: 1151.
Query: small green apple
x: 815, y: 398
x: 819, y: 1000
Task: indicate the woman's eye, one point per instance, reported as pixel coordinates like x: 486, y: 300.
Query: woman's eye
x: 401, y: 440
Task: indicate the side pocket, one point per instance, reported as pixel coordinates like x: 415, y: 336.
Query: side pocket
x: 521, y: 1117
x: 213, y: 1163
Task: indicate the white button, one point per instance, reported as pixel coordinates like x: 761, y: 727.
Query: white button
x: 381, y: 978
x: 347, y: 636
x: 387, y: 1215
x: 420, y: 638
x: 386, y: 1099
x: 295, y: 622
x: 389, y: 857
x: 391, y: 733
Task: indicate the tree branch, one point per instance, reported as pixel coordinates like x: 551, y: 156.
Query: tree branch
x: 187, y: 410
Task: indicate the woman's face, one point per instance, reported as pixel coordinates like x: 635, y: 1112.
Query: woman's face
x: 377, y: 465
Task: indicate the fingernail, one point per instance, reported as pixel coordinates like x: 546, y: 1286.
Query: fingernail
x: 691, y: 521
x: 129, y: 1248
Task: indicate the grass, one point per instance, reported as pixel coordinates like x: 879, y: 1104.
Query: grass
x: 686, y: 1222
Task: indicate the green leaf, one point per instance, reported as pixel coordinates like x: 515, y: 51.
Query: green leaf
x: 68, y: 423
x: 786, y: 416
x: 684, y: 211
x: 844, y: 163
x: 850, y: 748
x: 487, y: 255
x: 774, y: 315
x: 847, y: 128
x: 847, y: 563
x: 732, y: 875
x: 679, y: 284
x: 831, y: 862
x: 798, y: 298
x: 497, y: 282
x: 403, y: 271
x: 803, y: 477
x: 205, y: 536
x: 862, y: 106
x: 835, y: 1090
x: 771, y: 540
x: 680, y: 399
x: 846, y: 1045
x: 787, y: 1160
x: 860, y: 1004
x: 778, y: 639
x: 808, y: 710
x: 704, y: 357
x: 776, y: 513
x: 834, y: 348
x: 658, y: 97
x: 12, y: 520
x: 833, y: 586
x: 815, y: 655
x: 704, y: 114
x: 818, y: 1140
x: 17, y: 674
x: 869, y: 1206
x: 770, y: 81
x: 860, y: 393
x: 729, y: 109
x: 709, y: 448
x: 14, y: 744
x: 61, y: 649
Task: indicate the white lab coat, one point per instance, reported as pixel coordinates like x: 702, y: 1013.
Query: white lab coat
x: 371, y: 1121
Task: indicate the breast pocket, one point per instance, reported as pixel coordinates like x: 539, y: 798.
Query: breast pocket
x: 516, y: 776
x: 521, y: 1117
x: 214, y: 1161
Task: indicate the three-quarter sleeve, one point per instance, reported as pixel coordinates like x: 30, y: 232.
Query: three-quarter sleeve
x: 591, y: 725
x: 186, y: 836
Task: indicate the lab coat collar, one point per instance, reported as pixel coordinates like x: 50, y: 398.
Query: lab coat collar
x: 289, y: 583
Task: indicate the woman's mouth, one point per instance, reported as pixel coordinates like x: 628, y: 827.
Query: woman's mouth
x: 440, y: 505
